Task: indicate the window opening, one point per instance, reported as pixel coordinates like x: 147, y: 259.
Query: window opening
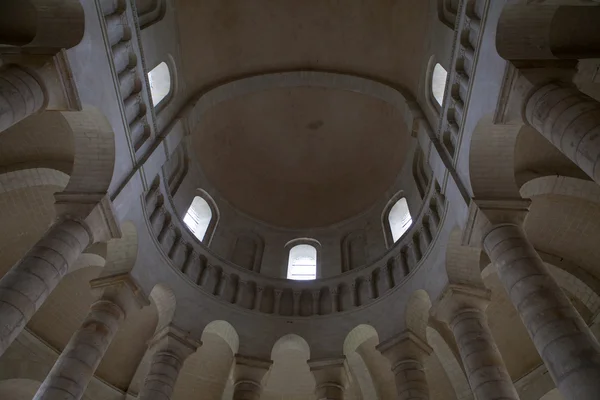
x: 160, y: 82
x: 302, y: 263
x: 399, y: 219
x: 198, y: 217
x: 438, y: 83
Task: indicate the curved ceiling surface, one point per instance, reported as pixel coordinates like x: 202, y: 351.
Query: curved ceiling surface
x: 303, y: 157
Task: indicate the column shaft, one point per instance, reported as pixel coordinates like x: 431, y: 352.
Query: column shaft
x: 29, y: 283
x: 411, y: 381
x: 161, y: 378
x: 485, y: 369
x: 571, y: 121
x: 560, y: 335
x: 76, y: 365
x: 21, y: 95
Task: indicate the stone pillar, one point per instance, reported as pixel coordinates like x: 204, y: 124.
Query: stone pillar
x: 330, y: 378
x: 29, y: 283
x: 463, y: 309
x: 571, y: 121
x: 563, y: 340
x: 21, y: 95
x: 76, y: 365
x: 249, y: 372
x: 406, y: 353
x: 548, y: 32
x: 171, y: 348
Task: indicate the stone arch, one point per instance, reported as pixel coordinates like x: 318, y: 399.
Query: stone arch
x: 290, y: 373
x: 563, y: 186
x: 166, y: 305
x: 554, y: 394
x: 18, y: 389
x: 213, y: 361
x: 32, y: 177
x: 94, y: 144
x: 492, y: 160
x: 361, y: 372
x: 417, y: 313
x: 121, y: 253
x: 450, y: 363
x: 462, y: 262
x: 33, y: 24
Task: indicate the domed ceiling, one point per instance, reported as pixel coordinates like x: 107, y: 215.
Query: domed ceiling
x: 302, y: 157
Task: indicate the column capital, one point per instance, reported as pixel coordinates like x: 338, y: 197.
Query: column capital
x: 404, y: 346
x: 122, y: 290
x: 94, y: 209
x: 330, y: 377
x: 485, y: 213
x: 457, y: 298
x: 173, y: 340
x: 250, y: 369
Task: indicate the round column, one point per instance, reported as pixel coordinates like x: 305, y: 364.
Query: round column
x: 76, y: 365
x: 21, y: 95
x: 571, y: 121
x: 29, y: 283
x: 463, y: 309
x: 171, y: 351
x: 406, y: 353
x: 548, y: 32
x: 330, y: 378
x: 563, y: 340
x: 248, y: 374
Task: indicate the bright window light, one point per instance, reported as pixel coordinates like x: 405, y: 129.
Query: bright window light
x: 198, y: 217
x: 302, y: 264
x: 438, y: 83
x: 399, y: 219
x: 160, y: 82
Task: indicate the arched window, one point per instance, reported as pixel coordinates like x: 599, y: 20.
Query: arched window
x: 438, y: 83
x: 198, y: 217
x: 302, y: 263
x: 160, y: 83
x: 398, y: 220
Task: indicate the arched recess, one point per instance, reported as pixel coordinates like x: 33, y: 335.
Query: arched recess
x: 369, y: 368
x: 18, y: 389
x: 207, y: 370
x: 303, y: 248
x: 202, y: 222
x: 421, y: 172
x: 447, y: 12
x: 94, y: 143
x: 248, y: 251
x: 33, y: 24
x: 150, y: 11
x: 176, y: 168
x: 354, y: 250
x: 417, y: 321
x: 289, y: 375
x: 396, y: 219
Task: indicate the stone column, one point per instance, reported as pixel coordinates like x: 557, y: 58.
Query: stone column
x: 249, y: 372
x: 21, y: 95
x: 171, y: 348
x: 548, y: 32
x: 463, y: 309
x: 406, y: 353
x: 76, y: 365
x: 571, y: 121
x: 563, y: 340
x: 330, y: 378
x: 29, y: 283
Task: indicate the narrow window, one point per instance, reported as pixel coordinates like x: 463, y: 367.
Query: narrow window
x: 198, y: 217
x: 399, y: 219
x: 160, y: 82
x: 438, y: 83
x: 302, y: 264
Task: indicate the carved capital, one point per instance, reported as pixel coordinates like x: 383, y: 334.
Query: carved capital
x: 173, y: 340
x: 458, y: 298
x: 252, y: 369
x: 329, y: 372
x: 120, y: 289
x: 404, y: 346
x: 485, y: 213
